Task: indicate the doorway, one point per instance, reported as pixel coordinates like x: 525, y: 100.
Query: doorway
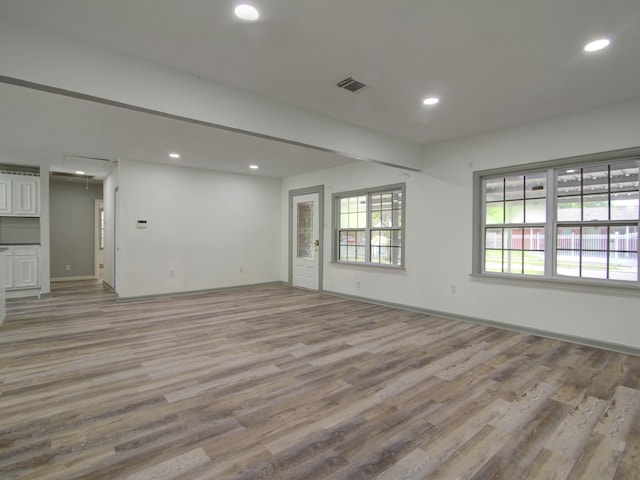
x: 306, y: 216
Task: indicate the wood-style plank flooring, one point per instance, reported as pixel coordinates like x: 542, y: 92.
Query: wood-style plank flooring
x: 273, y: 382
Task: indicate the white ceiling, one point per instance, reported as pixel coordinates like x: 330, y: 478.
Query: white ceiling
x: 494, y: 63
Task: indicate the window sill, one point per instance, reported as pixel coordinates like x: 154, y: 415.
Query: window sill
x: 370, y: 265
x: 566, y: 283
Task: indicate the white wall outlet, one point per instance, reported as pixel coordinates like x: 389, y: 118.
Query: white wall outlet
x: 67, y: 267
x: 454, y: 289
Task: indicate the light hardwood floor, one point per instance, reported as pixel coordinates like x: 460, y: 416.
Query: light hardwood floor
x: 278, y: 383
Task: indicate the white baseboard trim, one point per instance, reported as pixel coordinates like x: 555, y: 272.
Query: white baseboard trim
x: 196, y: 292
x: 73, y: 279
x: 23, y: 292
x: 588, y: 342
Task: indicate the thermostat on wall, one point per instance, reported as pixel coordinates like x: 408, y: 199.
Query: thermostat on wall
x: 141, y: 224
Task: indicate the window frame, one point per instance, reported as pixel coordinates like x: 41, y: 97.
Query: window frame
x: 335, y: 227
x: 551, y: 168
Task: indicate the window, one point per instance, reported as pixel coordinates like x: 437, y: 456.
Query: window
x: 575, y: 218
x: 369, y: 226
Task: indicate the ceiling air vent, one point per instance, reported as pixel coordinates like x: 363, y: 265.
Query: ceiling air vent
x: 352, y: 85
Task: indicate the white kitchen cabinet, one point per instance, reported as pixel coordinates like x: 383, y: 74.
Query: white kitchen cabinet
x: 19, y: 195
x: 21, y: 266
x: 25, y: 196
x: 6, y: 196
x: 7, y: 259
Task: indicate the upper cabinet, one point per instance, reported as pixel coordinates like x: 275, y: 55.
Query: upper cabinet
x: 19, y: 195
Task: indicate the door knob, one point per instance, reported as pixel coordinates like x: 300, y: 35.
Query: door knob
x: 316, y: 243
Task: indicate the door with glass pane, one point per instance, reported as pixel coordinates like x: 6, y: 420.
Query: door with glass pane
x: 306, y: 241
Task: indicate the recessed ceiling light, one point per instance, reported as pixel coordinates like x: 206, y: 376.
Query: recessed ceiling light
x: 571, y: 171
x: 248, y: 13
x: 253, y: 167
x: 174, y: 155
x: 431, y: 100
x: 79, y: 172
x: 597, y: 45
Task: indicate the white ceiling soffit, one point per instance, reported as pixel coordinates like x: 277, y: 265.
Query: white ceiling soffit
x: 493, y: 63
x: 69, y: 134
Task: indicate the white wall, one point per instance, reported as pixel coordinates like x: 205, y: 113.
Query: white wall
x: 205, y: 229
x: 439, y: 227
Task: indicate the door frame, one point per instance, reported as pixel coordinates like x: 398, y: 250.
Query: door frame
x: 319, y: 189
x: 98, y: 205
x: 116, y: 248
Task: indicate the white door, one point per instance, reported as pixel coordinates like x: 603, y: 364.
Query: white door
x: 306, y: 241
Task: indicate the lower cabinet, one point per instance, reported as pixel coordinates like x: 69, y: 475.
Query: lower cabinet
x: 21, y: 266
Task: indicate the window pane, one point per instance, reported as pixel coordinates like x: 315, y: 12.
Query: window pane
x: 305, y: 230
x: 569, y: 182
x: 362, y: 203
x: 362, y: 220
x: 569, y: 209
x: 536, y: 210
x: 376, y: 201
x: 568, y: 263
x: 493, y: 260
x: 596, y: 207
x: 344, y: 220
x: 623, y: 239
x: 495, y: 213
x: 514, y: 211
x: 533, y: 239
x: 380, y: 255
x: 624, y: 206
x: 594, y: 238
x: 513, y: 238
x: 624, y: 177
x: 512, y: 262
x: 494, y: 190
x: 514, y: 187
x: 396, y: 238
x: 493, y: 238
x: 568, y: 238
x: 396, y: 221
x: 595, y: 179
x: 350, y: 241
x: 535, y: 185
x: 533, y: 263
x: 623, y: 266
x: 594, y: 264
x: 380, y: 237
